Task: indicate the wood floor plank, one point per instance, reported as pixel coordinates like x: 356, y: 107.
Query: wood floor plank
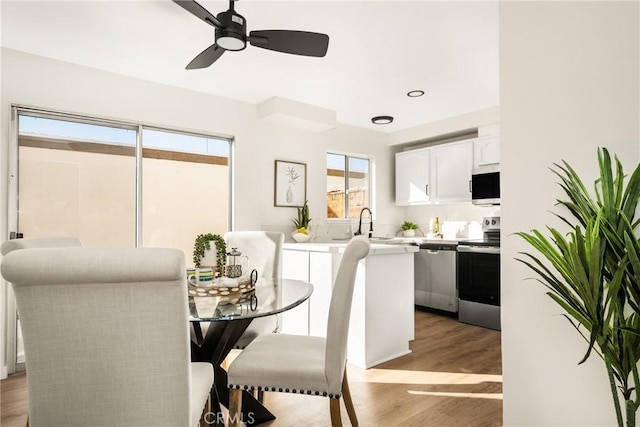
x: 452, y: 377
x: 13, y: 401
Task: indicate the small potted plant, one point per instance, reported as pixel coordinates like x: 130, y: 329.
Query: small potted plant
x: 409, y: 229
x: 203, y: 244
x: 301, y: 234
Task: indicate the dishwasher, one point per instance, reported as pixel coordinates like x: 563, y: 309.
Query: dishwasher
x: 435, y: 276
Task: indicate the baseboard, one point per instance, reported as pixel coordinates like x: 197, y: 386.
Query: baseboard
x: 3, y: 372
x: 373, y: 363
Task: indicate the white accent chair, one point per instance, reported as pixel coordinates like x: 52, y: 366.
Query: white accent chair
x: 264, y: 251
x: 39, y: 242
x: 106, y: 337
x: 304, y: 364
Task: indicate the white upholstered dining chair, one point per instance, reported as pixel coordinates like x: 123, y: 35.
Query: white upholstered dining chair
x: 106, y: 337
x: 304, y: 364
x: 264, y: 252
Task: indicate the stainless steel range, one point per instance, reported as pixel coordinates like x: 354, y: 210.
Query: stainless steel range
x: 478, y: 277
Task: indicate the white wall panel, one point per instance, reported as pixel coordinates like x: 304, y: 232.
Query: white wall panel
x: 569, y: 83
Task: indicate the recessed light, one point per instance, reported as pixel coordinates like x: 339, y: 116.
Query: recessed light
x: 415, y: 93
x: 382, y: 120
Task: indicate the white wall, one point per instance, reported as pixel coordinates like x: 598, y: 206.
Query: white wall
x: 40, y: 82
x: 569, y: 83
x: 485, y: 118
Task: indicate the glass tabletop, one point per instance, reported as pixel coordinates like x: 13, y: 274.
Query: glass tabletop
x: 269, y: 296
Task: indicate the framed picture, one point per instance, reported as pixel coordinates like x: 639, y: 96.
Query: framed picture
x: 290, y: 184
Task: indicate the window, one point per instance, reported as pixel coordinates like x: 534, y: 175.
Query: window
x: 185, y: 180
x: 112, y: 183
x: 348, y: 185
x: 81, y: 177
x: 77, y: 179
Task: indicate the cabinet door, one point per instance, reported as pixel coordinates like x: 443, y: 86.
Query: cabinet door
x: 451, y: 166
x: 412, y: 177
x: 486, y: 151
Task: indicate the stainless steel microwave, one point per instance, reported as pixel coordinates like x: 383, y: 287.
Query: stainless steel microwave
x: 485, y: 186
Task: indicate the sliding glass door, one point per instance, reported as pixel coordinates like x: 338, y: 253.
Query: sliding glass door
x: 76, y: 179
x: 113, y: 184
x: 185, y: 182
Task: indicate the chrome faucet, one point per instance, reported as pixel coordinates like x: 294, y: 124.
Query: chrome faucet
x: 359, y: 232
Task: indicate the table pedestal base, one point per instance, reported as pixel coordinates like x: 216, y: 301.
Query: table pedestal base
x: 214, y: 348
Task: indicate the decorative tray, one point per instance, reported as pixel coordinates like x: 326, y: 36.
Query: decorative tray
x: 225, y: 287
x: 221, y: 291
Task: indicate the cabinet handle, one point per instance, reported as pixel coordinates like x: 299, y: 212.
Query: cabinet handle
x: 426, y: 189
x: 469, y: 186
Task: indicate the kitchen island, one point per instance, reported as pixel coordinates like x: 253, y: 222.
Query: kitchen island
x: 382, y: 322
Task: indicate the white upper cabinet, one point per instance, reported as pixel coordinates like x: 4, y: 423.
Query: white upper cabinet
x: 486, y: 151
x: 412, y: 177
x: 451, y: 166
x: 434, y: 174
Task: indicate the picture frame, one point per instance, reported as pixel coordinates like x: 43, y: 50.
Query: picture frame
x: 290, y: 183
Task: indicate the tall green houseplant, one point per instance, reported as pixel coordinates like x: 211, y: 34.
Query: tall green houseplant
x: 593, y: 272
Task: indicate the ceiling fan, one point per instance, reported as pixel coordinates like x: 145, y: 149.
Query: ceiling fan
x: 231, y: 34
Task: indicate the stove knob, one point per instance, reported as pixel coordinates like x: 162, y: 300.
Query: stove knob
x: 493, y: 222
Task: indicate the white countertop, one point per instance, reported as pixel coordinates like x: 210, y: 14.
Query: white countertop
x: 417, y: 240
x: 338, y: 247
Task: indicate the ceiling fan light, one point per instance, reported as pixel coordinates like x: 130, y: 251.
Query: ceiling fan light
x: 382, y: 120
x: 231, y: 41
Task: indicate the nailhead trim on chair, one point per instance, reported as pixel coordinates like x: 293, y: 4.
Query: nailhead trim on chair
x: 286, y: 390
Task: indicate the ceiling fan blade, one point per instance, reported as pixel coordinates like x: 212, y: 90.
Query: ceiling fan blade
x: 195, y: 9
x: 206, y: 57
x: 288, y: 41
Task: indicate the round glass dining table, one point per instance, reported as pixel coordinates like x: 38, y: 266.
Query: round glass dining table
x: 218, y: 317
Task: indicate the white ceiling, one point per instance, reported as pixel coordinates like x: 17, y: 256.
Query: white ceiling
x: 378, y: 51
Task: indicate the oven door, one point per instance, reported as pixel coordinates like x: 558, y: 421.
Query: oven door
x: 479, y: 274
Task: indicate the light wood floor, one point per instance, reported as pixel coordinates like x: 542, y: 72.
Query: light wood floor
x: 453, y: 377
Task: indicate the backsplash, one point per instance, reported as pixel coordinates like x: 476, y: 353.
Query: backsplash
x: 451, y: 230
x: 457, y: 221
x: 342, y: 231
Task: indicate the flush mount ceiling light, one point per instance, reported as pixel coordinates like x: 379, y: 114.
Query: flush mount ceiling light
x: 415, y: 93
x: 382, y: 120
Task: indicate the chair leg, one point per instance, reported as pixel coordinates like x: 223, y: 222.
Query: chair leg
x: 348, y: 402
x: 259, y: 394
x: 235, y: 407
x: 334, y: 407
